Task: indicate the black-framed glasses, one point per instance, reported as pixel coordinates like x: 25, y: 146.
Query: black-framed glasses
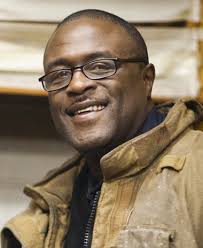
x: 94, y: 70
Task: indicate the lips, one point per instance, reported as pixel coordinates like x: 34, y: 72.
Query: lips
x: 85, y: 107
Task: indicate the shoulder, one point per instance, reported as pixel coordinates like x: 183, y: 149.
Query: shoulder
x: 189, y: 143
x: 30, y: 227
x: 185, y: 155
x: 27, y: 228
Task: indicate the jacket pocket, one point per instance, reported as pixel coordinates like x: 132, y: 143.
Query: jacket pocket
x: 146, y: 237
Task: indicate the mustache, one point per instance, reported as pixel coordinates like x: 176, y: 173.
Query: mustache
x: 84, y: 101
x: 88, y: 96
x: 81, y: 98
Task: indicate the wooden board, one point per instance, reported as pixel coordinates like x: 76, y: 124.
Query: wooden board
x: 134, y: 11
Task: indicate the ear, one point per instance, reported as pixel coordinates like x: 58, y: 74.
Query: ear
x: 148, y: 79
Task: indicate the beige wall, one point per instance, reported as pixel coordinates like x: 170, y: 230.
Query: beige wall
x: 24, y: 31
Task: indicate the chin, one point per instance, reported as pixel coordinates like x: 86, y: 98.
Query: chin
x: 90, y: 144
x: 90, y: 138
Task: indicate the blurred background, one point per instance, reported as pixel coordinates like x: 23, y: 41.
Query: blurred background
x: 29, y: 145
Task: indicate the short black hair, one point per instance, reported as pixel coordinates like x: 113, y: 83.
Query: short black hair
x: 104, y: 15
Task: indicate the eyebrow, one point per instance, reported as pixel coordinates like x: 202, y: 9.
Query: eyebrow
x: 57, y: 62
x: 98, y: 55
x: 89, y: 57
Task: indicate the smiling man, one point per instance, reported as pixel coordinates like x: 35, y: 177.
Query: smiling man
x: 136, y: 181
x: 108, y: 78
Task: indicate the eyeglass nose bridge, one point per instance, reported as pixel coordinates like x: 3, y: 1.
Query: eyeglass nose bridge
x: 77, y: 68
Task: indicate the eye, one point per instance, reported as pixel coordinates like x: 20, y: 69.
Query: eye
x: 62, y: 73
x: 99, y: 67
x: 59, y: 76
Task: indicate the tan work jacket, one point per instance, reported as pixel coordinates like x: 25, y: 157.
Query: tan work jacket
x: 151, y: 197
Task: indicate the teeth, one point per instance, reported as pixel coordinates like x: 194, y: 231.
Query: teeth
x: 90, y: 109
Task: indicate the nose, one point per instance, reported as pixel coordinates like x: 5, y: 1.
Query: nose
x: 80, y: 83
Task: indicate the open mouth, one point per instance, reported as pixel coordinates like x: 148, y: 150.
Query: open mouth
x: 93, y: 108
x: 85, y: 108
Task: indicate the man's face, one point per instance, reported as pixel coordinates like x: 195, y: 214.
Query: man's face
x: 118, y: 104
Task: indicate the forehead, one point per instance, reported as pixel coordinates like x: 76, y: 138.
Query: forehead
x: 80, y: 38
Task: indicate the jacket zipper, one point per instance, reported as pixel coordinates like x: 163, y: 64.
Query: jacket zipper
x: 90, y: 222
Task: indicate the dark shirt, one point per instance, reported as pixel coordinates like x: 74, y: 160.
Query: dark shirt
x: 84, y: 191
x: 81, y: 205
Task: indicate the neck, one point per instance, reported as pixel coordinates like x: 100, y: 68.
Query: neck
x: 93, y: 162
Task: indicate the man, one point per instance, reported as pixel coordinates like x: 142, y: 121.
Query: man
x: 138, y: 179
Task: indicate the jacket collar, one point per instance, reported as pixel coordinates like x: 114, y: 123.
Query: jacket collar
x: 136, y: 154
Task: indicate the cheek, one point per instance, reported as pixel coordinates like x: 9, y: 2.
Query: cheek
x: 130, y: 98
x: 123, y: 92
x: 56, y: 107
x: 56, y: 101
